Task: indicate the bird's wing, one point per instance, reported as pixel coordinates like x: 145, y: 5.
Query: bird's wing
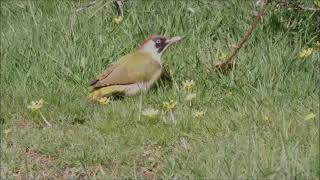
x: 132, y: 68
x: 104, y: 74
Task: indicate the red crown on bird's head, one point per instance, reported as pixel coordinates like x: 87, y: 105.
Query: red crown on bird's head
x: 147, y: 40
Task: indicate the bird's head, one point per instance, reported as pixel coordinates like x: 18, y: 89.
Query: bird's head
x: 156, y: 45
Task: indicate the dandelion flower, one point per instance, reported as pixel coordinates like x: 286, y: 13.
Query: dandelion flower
x: 228, y: 94
x: 310, y: 116
x: 188, y: 85
x: 223, y: 56
x: 104, y: 100
x: 36, y: 105
x: 306, y: 53
x: 267, y: 119
x: 190, y: 97
x: 118, y: 19
x: 169, y: 105
x: 7, y: 131
x: 199, y: 114
x: 151, y: 113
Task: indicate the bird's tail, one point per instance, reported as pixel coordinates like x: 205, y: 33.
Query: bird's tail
x: 106, y: 92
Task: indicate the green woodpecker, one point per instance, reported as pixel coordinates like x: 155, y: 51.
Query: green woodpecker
x: 135, y: 72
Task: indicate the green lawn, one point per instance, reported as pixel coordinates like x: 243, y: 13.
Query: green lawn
x: 258, y: 121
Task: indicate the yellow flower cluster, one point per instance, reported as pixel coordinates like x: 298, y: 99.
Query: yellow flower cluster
x: 7, y: 131
x: 151, y: 113
x: 190, y: 96
x: 199, y: 114
x: 306, y: 53
x: 169, y: 105
x: 104, y: 100
x: 223, y: 56
x: 36, y: 105
x: 118, y: 19
x: 310, y: 116
x: 188, y: 85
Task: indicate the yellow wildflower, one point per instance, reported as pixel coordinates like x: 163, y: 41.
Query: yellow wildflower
x: 199, y: 114
x: 36, y: 105
x: 306, y: 53
x: 310, y: 116
x: 190, y: 97
x: 104, y: 100
x: 7, y: 131
x: 188, y: 85
x: 223, y: 56
x: 169, y: 105
x: 228, y: 94
x: 151, y: 113
x: 267, y: 119
x: 118, y: 19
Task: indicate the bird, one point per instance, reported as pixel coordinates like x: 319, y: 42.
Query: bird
x: 133, y: 73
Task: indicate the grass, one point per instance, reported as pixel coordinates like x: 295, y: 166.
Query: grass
x: 254, y: 126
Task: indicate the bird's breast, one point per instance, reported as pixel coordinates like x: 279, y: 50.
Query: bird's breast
x: 136, y: 88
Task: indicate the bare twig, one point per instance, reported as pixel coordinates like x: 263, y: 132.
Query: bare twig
x: 302, y: 7
x: 45, y: 120
x: 87, y: 6
x: 297, y: 6
x: 228, y: 64
x: 119, y: 4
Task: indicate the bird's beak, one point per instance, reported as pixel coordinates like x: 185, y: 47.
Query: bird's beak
x: 174, y: 40
x: 171, y: 41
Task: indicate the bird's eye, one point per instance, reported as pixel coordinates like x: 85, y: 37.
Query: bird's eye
x: 158, y: 41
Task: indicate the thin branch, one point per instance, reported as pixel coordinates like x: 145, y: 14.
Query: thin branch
x: 119, y: 4
x: 297, y: 6
x: 228, y: 64
x: 87, y: 6
x: 45, y: 120
x: 302, y: 7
